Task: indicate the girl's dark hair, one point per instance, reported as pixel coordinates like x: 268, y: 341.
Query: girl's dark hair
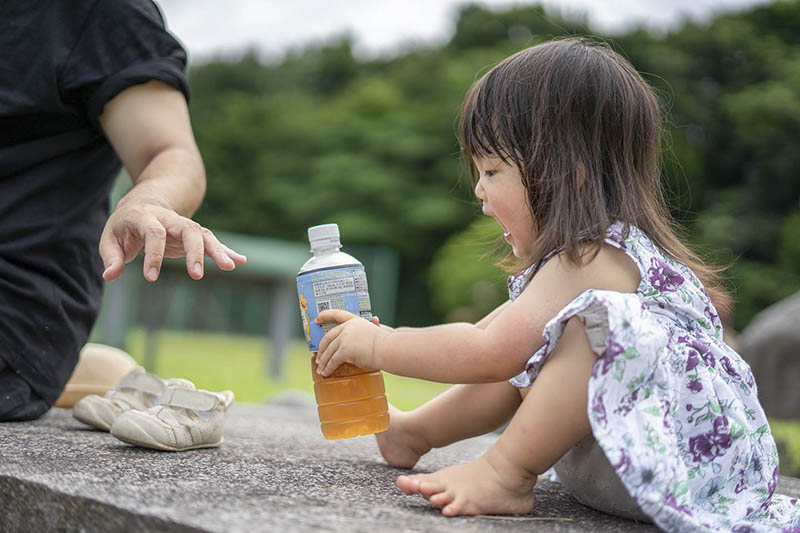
x: 584, y: 130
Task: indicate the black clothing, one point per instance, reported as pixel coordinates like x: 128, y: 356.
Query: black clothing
x: 18, y: 401
x: 60, y: 62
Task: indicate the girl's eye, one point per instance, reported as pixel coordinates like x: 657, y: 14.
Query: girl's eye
x: 489, y: 173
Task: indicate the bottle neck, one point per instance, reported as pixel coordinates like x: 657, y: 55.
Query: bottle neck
x: 325, y: 250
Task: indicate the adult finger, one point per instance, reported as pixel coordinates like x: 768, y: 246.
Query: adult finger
x: 113, y: 256
x: 238, y: 258
x: 193, y: 247
x: 155, y: 241
x: 216, y: 251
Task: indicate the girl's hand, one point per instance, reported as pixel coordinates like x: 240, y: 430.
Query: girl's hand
x: 352, y: 341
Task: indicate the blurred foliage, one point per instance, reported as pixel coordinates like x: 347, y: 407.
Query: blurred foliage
x: 787, y: 439
x: 466, y: 281
x: 322, y: 135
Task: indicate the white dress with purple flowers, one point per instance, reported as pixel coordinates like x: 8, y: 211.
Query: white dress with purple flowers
x: 674, y: 408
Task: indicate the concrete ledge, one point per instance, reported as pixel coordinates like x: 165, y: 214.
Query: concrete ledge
x: 275, y: 472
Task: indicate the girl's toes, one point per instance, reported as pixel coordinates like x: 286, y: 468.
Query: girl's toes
x: 408, y: 484
x: 452, y: 509
x: 441, y: 499
x: 430, y: 487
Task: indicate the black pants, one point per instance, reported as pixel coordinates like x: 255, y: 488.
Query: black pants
x: 17, y: 400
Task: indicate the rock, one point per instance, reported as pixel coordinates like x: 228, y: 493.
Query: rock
x: 771, y: 346
x: 275, y: 472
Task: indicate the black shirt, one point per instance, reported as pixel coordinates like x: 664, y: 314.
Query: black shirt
x: 60, y: 62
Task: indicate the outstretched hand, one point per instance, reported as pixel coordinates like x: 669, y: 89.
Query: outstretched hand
x: 161, y: 233
x: 352, y: 341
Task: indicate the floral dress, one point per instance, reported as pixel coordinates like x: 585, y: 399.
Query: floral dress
x: 674, y: 408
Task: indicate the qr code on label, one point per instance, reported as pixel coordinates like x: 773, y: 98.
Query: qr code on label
x: 323, y: 305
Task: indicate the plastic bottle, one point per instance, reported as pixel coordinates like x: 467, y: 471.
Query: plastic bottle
x: 352, y: 400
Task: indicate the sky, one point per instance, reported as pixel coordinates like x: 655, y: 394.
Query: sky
x: 383, y: 27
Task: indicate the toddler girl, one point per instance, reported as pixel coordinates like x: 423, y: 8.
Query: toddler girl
x: 608, y: 359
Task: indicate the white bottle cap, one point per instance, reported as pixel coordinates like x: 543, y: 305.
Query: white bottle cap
x: 324, y: 236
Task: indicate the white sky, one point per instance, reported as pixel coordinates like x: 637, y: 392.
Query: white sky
x: 211, y: 27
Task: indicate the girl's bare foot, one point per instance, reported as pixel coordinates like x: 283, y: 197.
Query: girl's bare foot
x: 488, y: 485
x: 401, y: 445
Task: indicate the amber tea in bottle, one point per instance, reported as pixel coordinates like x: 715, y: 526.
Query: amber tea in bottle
x: 352, y: 400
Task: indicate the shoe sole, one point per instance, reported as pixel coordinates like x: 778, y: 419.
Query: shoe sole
x: 92, y: 423
x: 164, y: 447
x: 95, y: 422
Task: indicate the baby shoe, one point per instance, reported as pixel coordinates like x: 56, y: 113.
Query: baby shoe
x: 136, y: 390
x: 182, y: 419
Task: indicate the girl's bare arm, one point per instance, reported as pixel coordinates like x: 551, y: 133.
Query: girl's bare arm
x: 467, y: 353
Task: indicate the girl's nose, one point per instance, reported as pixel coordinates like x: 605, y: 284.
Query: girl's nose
x: 479, y: 192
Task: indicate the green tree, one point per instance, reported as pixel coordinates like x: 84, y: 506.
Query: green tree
x: 322, y: 135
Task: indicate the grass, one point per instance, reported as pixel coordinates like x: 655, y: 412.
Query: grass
x: 240, y: 363
x: 787, y: 436
x: 217, y: 362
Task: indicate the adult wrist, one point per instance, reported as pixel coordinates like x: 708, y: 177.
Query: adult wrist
x: 136, y: 198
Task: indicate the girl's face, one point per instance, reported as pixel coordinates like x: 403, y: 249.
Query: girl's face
x: 504, y: 198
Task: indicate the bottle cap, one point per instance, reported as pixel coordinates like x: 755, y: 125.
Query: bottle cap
x: 324, y: 235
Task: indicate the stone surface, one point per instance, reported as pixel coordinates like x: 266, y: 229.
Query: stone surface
x: 771, y: 346
x: 275, y: 472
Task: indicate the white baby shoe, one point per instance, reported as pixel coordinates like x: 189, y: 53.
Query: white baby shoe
x: 136, y: 390
x: 182, y: 419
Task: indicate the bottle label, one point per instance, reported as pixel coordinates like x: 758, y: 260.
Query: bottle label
x: 334, y: 288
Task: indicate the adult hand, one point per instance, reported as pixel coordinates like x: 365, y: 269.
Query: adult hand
x: 161, y: 233
x: 352, y: 341
x: 148, y: 125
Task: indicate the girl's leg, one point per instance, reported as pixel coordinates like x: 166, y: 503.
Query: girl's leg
x: 461, y: 412
x: 551, y: 419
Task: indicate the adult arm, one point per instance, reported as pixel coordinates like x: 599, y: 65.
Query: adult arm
x: 149, y: 127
